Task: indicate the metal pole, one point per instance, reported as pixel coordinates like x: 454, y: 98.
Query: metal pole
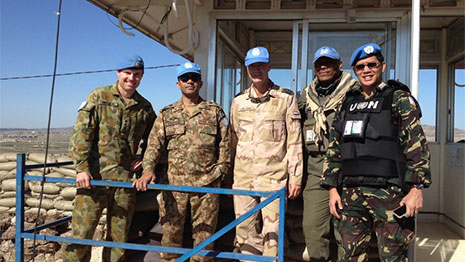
x: 282, y: 215
x: 19, y: 240
x: 414, y: 67
x: 415, y: 48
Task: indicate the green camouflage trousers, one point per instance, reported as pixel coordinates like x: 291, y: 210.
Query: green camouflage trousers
x: 204, y: 217
x: 368, y: 209
x: 317, y: 221
x: 88, y: 207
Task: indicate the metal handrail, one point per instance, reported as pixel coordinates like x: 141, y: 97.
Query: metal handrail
x: 21, y: 234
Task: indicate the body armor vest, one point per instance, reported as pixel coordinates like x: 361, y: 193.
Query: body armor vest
x: 369, y: 140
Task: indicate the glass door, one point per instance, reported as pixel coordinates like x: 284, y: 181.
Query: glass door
x: 308, y: 37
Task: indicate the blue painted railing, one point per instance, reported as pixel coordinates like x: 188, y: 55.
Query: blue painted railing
x: 21, y: 234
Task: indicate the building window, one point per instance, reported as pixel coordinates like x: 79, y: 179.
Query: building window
x: 457, y: 107
x: 228, y: 76
x: 427, y: 97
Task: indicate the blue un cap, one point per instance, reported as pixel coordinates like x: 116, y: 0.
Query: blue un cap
x: 133, y: 62
x: 257, y: 54
x: 364, y: 51
x: 326, y: 51
x: 188, y: 67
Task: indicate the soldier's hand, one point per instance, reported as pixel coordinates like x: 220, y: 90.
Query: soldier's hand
x: 335, y: 203
x: 294, y: 191
x: 141, y: 183
x: 83, y: 179
x: 413, y: 202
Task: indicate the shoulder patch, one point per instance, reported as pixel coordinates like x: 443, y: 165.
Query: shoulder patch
x: 83, y: 104
x: 287, y: 91
x: 225, y: 121
x: 412, y: 101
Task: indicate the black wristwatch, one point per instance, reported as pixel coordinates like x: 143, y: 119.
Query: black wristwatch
x: 419, y: 186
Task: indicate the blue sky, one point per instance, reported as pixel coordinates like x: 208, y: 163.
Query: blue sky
x: 88, y: 41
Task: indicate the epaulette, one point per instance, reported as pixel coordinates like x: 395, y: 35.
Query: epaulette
x: 397, y: 85
x: 287, y: 91
x: 212, y: 103
x: 240, y: 93
x: 168, y: 107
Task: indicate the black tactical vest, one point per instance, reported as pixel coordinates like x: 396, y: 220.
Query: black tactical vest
x: 369, y: 140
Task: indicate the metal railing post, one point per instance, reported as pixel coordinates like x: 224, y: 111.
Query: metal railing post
x: 21, y: 233
x: 19, y: 240
x: 282, y: 213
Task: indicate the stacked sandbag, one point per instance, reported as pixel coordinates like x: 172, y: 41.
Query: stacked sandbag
x: 57, y: 198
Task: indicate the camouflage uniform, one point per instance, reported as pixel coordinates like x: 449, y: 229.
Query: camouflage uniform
x: 368, y: 208
x: 105, y: 141
x: 198, y: 155
x: 317, y: 219
x: 267, y: 140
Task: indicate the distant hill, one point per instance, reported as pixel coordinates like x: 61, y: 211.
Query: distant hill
x: 430, y: 132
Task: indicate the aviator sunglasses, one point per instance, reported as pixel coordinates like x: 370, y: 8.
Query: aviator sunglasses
x: 372, y: 65
x: 193, y: 77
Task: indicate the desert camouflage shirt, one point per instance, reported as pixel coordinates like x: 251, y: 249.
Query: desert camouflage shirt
x: 197, y: 144
x: 266, y: 135
x: 411, y: 138
x: 108, y: 132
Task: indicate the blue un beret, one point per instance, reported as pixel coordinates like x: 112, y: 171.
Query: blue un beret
x: 363, y: 52
x: 134, y: 62
x: 188, y: 67
x: 326, y: 51
x: 257, y: 54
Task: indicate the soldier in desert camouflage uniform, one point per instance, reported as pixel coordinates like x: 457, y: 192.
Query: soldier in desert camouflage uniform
x: 379, y: 152
x: 265, y: 124
x: 107, y: 134
x: 195, y: 134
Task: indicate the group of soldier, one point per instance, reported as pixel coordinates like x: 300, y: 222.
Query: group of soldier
x: 358, y: 145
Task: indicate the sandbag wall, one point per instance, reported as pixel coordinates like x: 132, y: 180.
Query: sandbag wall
x: 57, y: 198
x: 58, y: 201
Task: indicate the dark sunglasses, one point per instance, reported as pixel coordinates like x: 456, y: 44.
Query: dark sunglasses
x: 372, y: 65
x: 193, y: 77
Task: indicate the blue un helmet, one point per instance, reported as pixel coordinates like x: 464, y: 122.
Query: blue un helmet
x: 188, y: 67
x: 257, y: 54
x: 133, y: 62
x: 326, y: 51
x: 365, y: 51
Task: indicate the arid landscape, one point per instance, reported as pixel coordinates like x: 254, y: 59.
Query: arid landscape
x: 34, y: 140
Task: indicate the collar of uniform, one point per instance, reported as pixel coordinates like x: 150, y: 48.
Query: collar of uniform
x: 179, y: 105
x: 358, y: 88
x: 381, y: 86
x: 136, y: 97
x: 253, y: 97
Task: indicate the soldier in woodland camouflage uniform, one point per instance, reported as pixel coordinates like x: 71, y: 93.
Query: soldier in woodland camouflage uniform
x: 379, y: 152
x: 195, y: 134
x: 265, y: 124
x: 318, y: 104
x: 107, y: 134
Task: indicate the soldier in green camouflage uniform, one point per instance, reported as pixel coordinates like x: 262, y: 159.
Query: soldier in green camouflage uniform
x: 107, y: 134
x: 379, y: 152
x: 195, y: 134
x: 318, y: 104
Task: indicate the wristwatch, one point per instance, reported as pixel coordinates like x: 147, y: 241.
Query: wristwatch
x: 419, y: 186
